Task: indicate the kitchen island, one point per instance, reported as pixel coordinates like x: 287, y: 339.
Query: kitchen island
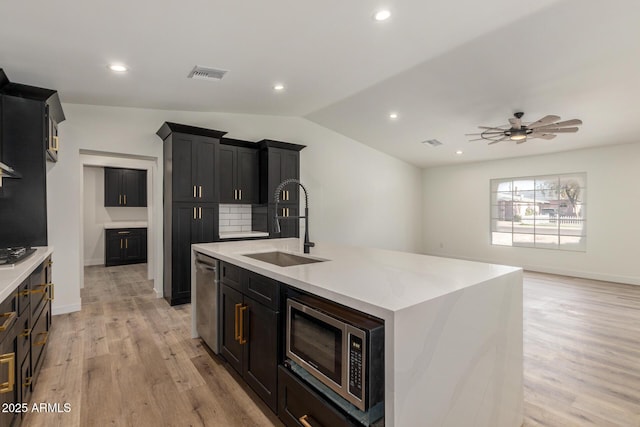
x: 453, y: 328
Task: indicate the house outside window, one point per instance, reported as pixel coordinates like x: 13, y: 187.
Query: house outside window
x: 546, y: 212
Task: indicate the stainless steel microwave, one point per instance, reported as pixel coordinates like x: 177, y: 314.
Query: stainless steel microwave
x: 340, y: 347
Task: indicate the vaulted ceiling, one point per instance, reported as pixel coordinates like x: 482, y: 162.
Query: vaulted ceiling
x: 444, y: 67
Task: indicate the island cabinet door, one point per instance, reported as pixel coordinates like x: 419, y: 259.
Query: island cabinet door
x: 260, y: 331
x: 231, y: 348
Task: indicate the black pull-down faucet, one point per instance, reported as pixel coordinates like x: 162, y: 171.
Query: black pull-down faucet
x: 307, y: 244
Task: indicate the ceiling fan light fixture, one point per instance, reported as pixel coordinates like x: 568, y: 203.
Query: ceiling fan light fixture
x: 518, y: 136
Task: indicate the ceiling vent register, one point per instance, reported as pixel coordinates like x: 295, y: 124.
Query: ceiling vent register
x: 206, y: 73
x: 432, y: 142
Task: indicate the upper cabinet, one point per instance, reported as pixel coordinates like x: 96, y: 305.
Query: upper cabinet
x: 279, y: 161
x: 25, y: 113
x: 238, y: 172
x: 125, y: 187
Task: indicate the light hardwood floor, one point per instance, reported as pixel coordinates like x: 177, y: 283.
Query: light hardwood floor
x: 127, y: 360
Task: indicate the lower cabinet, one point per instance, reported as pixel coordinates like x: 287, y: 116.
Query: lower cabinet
x: 300, y: 406
x: 250, y: 342
x: 249, y: 330
x: 25, y: 321
x: 125, y: 246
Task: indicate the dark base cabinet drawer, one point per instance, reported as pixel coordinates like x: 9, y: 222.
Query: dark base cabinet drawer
x: 297, y: 401
x: 25, y: 380
x: 39, y: 337
x: 231, y: 275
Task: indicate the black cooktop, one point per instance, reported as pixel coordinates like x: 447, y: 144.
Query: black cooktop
x: 12, y: 256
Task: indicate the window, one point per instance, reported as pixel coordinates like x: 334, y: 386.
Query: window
x: 540, y: 212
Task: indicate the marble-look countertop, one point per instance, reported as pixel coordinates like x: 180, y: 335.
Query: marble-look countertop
x: 373, y: 280
x: 453, y: 328
x: 125, y: 224
x: 242, y: 234
x: 12, y: 277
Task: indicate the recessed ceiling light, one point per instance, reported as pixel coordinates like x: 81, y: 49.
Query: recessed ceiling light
x: 118, y: 68
x: 382, y: 15
x: 459, y: 152
x: 393, y: 115
x: 278, y: 87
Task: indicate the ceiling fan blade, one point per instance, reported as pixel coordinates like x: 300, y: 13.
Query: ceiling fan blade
x: 498, y: 140
x: 557, y: 130
x: 490, y: 128
x: 516, y: 123
x: 543, y: 121
x: 573, y: 122
x: 477, y: 139
x: 486, y: 132
x: 541, y: 135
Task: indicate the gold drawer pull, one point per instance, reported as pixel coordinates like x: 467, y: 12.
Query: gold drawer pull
x: 24, y: 293
x: 27, y: 383
x: 236, y: 326
x: 9, y: 318
x: 42, y: 290
x: 44, y: 340
x: 242, y: 339
x: 200, y: 191
x: 56, y: 146
x: 9, y: 359
x: 304, y: 420
x: 25, y: 333
x: 51, y: 292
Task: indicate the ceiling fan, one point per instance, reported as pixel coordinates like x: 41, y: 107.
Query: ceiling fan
x: 545, y: 128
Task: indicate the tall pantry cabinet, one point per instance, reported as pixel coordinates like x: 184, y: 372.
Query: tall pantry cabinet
x: 191, y: 193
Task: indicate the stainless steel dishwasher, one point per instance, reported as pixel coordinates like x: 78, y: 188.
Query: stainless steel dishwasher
x: 207, y: 277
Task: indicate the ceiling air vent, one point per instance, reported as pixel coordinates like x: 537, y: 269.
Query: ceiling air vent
x: 206, y: 73
x: 432, y: 142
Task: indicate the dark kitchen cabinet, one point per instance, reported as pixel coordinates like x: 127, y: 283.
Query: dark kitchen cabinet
x: 249, y: 330
x: 25, y: 113
x: 297, y: 402
x: 125, y: 246
x: 125, y: 187
x: 25, y: 322
x: 289, y: 227
x: 190, y: 201
x: 239, y: 167
x: 279, y: 161
x: 190, y: 224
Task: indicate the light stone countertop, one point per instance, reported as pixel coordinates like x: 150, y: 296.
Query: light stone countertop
x: 125, y: 224
x: 12, y: 277
x: 372, y: 280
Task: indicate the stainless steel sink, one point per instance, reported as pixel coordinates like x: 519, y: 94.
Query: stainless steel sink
x: 283, y: 259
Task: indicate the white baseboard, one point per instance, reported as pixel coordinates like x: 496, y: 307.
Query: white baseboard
x: 95, y: 261
x: 55, y: 310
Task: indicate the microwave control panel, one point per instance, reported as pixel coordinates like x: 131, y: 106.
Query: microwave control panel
x: 356, y: 370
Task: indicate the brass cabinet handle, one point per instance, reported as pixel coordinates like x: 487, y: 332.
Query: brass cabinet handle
x: 125, y: 199
x: 124, y: 232
x: 55, y: 147
x: 304, y: 421
x: 119, y: 199
x: 43, y: 287
x: 9, y: 359
x: 49, y: 263
x: 51, y: 292
x: 194, y: 213
x: 120, y: 243
x: 242, y: 339
x: 126, y: 243
x: 235, y: 194
x: 44, y: 340
x: 240, y: 191
x: 194, y: 191
x: 236, y: 326
x: 27, y: 383
x: 26, y: 333
x: 200, y: 191
x: 8, y: 320
x: 286, y: 195
x: 200, y: 213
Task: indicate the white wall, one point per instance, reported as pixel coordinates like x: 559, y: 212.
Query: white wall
x: 358, y: 195
x: 95, y: 214
x: 456, y: 213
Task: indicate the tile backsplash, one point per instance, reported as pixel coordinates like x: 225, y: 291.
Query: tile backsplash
x: 235, y: 218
